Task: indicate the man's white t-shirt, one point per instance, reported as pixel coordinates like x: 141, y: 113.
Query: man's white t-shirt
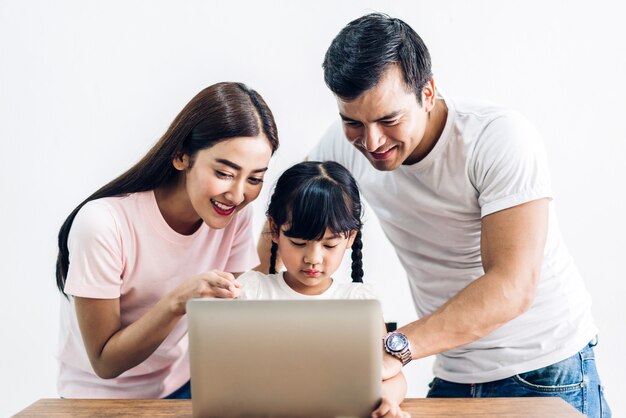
x: 257, y: 286
x: 486, y: 160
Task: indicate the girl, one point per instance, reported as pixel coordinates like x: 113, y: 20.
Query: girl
x: 314, y: 216
x: 170, y: 228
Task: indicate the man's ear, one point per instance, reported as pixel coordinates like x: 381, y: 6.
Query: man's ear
x: 274, y: 230
x: 429, y: 95
x: 181, y: 162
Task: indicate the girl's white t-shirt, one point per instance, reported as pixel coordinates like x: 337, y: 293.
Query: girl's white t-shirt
x: 256, y: 286
x: 121, y: 247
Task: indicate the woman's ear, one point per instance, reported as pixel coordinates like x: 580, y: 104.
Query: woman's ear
x: 181, y: 162
x: 274, y: 230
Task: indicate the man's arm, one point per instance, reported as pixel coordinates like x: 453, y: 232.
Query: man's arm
x: 512, y: 245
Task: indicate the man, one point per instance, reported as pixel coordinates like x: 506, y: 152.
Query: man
x: 462, y: 190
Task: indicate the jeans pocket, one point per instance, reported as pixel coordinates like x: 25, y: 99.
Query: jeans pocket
x: 564, y: 376
x: 542, y: 387
x: 563, y: 379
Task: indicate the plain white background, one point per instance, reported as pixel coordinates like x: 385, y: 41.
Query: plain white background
x: 87, y: 87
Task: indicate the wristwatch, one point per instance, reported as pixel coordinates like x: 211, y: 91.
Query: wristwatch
x: 397, y: 344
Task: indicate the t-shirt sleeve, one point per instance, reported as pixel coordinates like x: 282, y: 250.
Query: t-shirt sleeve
x: 243, y: 254
x: 508, y: 166
x: 334, y: 146
x: 331, y: 146
x: 250, y: 285
x: 95, y: 254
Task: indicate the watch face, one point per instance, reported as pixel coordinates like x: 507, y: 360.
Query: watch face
x: 396, y: 342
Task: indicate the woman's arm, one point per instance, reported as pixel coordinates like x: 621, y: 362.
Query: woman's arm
x: 112, y: 350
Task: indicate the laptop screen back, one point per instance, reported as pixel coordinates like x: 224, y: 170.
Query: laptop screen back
x: 311, y: 358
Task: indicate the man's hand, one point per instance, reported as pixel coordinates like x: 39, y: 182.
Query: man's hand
x: 391, y: 366
x: 393, y: 391
x: 389, y: 409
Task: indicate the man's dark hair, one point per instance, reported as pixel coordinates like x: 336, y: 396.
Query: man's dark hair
x: 366, y: 47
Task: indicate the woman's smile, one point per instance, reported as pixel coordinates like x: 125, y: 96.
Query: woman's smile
x: 222, y: 208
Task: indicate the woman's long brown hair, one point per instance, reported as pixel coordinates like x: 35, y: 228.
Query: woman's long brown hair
x: 219, y: 112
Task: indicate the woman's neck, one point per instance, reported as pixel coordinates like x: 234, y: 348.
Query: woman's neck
x: 176, y: 208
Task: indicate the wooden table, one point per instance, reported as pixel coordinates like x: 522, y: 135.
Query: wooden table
x: 478, y: 407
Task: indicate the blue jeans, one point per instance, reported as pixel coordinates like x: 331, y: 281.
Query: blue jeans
x: 574, y: 379
x: 183, y: 392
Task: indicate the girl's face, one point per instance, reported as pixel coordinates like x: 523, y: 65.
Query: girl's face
x: 224, y: 178
x: 310, y: 264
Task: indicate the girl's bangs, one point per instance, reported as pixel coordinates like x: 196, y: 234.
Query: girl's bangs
x: 316, y: 208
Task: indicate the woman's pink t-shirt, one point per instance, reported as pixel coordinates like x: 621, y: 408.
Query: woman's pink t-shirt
x: 121, y: 247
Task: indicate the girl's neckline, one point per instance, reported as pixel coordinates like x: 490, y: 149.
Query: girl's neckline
x: 283, y: 284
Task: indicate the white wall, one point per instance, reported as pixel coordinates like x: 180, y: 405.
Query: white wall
x: 87, y: 86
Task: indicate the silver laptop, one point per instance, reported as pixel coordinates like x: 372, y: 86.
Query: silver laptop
x: 288, y: 358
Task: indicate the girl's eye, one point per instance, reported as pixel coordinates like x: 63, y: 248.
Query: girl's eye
x: 223, y: 174
x: 298, y: 244
x: 330, y: 246
x: 255, y: 181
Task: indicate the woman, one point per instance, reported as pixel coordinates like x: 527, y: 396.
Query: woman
x: 173, y: 227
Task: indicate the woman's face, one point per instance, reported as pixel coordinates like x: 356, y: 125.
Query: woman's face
x: 224, y: 178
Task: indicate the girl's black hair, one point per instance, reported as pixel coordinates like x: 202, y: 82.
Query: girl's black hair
x: 218, y: 113
x: 312, y: 196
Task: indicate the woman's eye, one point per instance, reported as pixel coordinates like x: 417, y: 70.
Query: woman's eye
x: 255, y: 181
x: 223, y: 174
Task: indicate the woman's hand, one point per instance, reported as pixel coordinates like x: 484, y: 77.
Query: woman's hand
x: 389, y: 409
x: 214, y: 283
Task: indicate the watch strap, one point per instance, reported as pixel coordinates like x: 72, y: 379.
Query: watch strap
x: 403, y: 355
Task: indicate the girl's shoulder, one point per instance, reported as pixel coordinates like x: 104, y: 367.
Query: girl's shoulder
x: 257, y: 285
x: 355, y: 291
x: 251, y: 276
x: 252, y: 283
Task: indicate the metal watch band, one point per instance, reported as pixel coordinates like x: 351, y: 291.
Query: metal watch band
x: 405, y: 355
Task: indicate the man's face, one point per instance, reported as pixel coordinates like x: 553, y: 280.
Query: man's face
x: 387, y: 123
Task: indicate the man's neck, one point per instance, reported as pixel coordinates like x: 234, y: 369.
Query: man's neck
x: 437, y: 119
